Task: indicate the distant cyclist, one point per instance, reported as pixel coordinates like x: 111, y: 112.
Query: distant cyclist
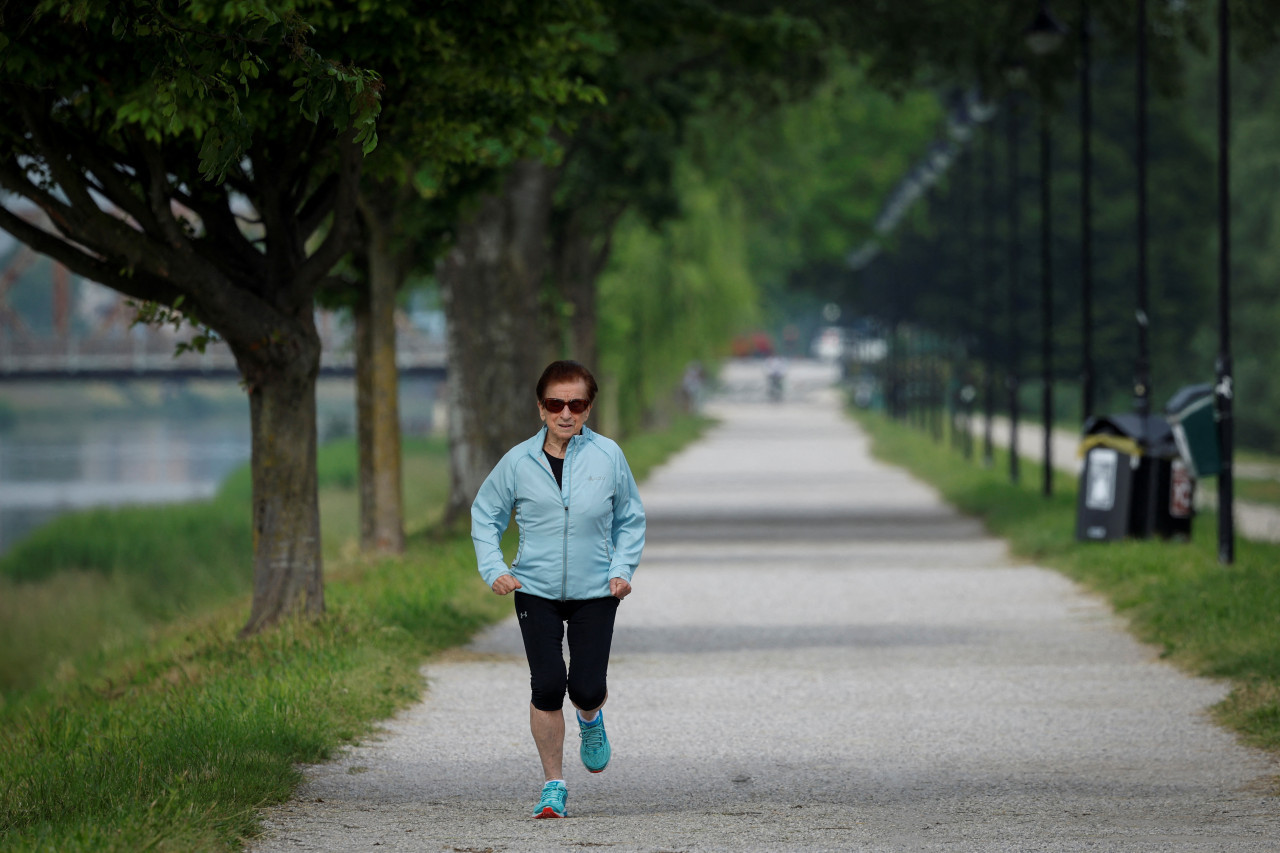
x: 582, y: 532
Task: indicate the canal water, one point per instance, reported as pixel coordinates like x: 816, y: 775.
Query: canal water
x: 50, y: 465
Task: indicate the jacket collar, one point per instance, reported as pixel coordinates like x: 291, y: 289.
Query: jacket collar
x: 534, y: 445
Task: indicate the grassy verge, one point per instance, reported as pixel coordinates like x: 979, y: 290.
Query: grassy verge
x: 113, y: 574
x: 1258, y: 491
x: 175, y: 734
x: 1212, y: 620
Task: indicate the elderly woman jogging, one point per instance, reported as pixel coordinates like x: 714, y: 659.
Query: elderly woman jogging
x: 581, y: 535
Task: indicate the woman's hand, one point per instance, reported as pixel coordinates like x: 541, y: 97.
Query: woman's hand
x: 619, y: 588
x: 506, y: 584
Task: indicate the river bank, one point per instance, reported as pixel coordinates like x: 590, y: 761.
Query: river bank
x: 75, y: 445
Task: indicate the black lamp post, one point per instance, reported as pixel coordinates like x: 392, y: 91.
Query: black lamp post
x: 988, y: 301
x: 1015, y: 283
x: 1046, y: 306
x: 1043, y: 37
x: 1086, y: 218
x: 1223, y: 386
x: 1142, y: 372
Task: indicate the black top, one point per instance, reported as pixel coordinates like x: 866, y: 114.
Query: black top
x: 557, y: 467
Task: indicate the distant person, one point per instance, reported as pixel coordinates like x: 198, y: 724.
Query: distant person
x: 691, y: 385
x: 776, y: 373
x: 582, y: 532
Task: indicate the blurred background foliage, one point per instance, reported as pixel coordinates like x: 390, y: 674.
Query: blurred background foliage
x: 798, y: 188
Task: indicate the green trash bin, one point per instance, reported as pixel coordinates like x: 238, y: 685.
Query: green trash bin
x: 1191, y: 413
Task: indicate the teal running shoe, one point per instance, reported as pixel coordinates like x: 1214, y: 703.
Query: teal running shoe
x: 595, y: 750
x: 554, y: 802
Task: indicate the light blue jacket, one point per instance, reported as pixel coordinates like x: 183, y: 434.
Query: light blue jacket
x: 572, y: 539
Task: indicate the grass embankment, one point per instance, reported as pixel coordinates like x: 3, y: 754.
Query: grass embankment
x: 1212, y: 620
x: 134, y: 719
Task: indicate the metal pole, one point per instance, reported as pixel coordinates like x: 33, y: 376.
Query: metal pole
x: 973, y: 325
x: 1086, y: 218
x: 939, y: 392
x: 988, y: 303
x: 1148, y: 471
x: 1046, y: 302
x: 1015, y: 261
x: 1223, y: 387
x: 1142, y: 378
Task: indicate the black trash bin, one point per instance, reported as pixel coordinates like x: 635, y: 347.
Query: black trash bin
x: 1133, y: 482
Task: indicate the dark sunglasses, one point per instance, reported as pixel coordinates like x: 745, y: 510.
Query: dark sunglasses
x: 552, y: 405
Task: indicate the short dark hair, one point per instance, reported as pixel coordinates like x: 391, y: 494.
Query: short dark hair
x: 567, y: 371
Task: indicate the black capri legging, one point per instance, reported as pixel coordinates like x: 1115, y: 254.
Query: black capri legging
x: 542, y: 622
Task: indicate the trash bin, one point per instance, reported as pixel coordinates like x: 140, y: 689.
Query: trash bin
x: 1106, y: 481
x: 1133, y: 482
x: 1194, y: 421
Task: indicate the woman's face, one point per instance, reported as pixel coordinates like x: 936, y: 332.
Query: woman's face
x: 564, y: 424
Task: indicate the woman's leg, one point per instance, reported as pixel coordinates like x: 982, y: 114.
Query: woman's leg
x: 590, y: 639
x: 542, y: 628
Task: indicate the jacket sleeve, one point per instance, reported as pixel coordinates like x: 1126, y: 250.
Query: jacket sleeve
x: 628, y: 523
x: 490, y: 516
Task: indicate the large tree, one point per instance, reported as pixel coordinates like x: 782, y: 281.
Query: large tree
x: 204, y: 158
x: 505, y: 102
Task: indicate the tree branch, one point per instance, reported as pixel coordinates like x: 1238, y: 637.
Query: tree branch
x: 82, y: 219
x: 314, y: 208
x: 225, y: 243
x: 106, y: 180
x: 299, y: 177
x: 317, y: 207
x: 159, y: 202
x: 142, y: 287
x: 68, y: 179
x: 338, y: 241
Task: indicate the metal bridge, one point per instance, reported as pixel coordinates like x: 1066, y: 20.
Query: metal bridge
x: 56, y: 326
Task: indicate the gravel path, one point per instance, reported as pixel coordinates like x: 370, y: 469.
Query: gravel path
x: 819, y: 655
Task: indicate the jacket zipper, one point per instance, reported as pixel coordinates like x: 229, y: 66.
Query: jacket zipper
x: 564, y: 554
x: 564, y: 572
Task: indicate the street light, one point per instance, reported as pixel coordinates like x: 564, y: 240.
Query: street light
x: 1043, y: 37
x: 1142, y: 371
x: 1223, y: 386
x: 1086, y: 218
x: 988, y: 298
x: 1142, y: 378
x: 1015, y: 74
x: 1046, y: 305
x: 1045, y: 34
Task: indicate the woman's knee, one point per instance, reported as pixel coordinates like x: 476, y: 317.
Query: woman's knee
x: 547, y: 694
x: 587, y: 696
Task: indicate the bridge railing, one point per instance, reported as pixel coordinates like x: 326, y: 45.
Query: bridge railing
x: 151, y: 351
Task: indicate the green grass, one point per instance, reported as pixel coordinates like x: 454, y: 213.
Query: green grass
x: 1257, y: 491
x: 1212, y: 620
x: 114, y: 573
x: 174, y: 734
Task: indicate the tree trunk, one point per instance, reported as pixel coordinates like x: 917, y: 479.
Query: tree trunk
x: 288, y: 570
x: 363, y: 345
x: 378, y: 401
x: 490, y: 283
x: 580, y: 255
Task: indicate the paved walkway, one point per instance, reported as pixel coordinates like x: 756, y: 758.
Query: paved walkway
x: 819, y: 655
